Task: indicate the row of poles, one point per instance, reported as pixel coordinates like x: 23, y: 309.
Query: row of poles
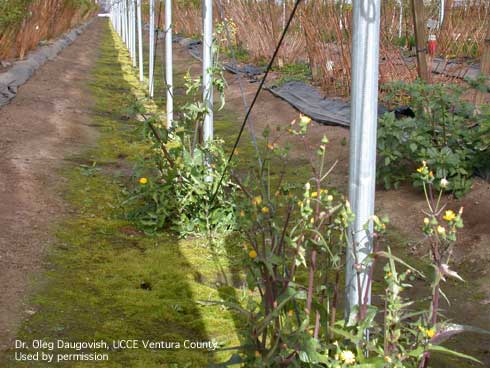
x: 126, y: 16
x: 127, y: 19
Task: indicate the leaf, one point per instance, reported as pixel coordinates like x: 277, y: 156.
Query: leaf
x: 442, y: 349
x: 452, y: 329
x: 399, y: 260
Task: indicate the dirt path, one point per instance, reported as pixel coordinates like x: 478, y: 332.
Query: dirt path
x: 46, y: 122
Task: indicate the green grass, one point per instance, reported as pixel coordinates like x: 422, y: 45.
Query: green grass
x: 105, y: 279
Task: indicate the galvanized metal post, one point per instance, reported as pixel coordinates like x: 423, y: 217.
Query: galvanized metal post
x: 126, y: 24
x: 124, y: 18
x: 133, y: 32
x: 441, y: 13
x: 130, y: 29
x: 207, y: 63
x: 169, y: 63
x: 362, y: 171
x: 400, y: 19
x: 140, y: 41
x: 151, y: 61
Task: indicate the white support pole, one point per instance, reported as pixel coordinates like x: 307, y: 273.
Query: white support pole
x: 151, y: 53
x: 132, y: 19
x: 362, y: 170
x: 400, y: 19
x: 118, y: 19
x: 130, y: 30
x: 169, y: 78
x: 124, y: 20
x: 207, y: 63
x: 126, y: 23
x: 441, y: 13
x: 140, y: 42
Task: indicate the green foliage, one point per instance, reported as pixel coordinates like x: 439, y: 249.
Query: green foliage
x: 12, y: 12
x: 294, y: 254
x: 178, y: 184
x: 288, y: 229
x: 293, y: 72
x: 179, y: 193
x: 446, y: 132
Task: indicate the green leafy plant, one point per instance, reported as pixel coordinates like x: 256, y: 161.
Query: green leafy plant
x: 445, y: 131
x: 178, y: 180
x: 294, y: 253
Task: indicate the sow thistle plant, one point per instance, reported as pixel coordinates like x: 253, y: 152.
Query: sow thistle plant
x: 180, y: 175
x: 295, y: 240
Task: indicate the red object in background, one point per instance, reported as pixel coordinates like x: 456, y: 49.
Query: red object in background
x: 432, y: 45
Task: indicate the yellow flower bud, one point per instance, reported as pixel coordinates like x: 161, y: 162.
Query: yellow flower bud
x: 449, y: 215
x: 430, y: 333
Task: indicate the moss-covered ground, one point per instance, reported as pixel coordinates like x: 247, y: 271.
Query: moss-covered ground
x: 108, y: 281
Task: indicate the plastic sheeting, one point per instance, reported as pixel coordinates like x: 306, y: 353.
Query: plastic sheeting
x: 22, y: 70
x: 307, y: 100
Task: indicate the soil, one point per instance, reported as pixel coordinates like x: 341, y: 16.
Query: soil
x: 46, y: 122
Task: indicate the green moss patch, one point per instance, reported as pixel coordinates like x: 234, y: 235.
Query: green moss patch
x: 108, y: 281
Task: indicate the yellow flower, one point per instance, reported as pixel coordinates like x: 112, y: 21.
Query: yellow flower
x: 270, y: 146
x: 449, y: 215
x: 304, y: 119
x: 290, y: 313
x: 143, y: 181
x: 426, y: 221
x: 430, y: 333
x: 242, y: 213
x: 387, y: 359
x: 312, y: 220
x: 330, y: 198
x: 441, y: 230
x: 431, y: 174
x: 265, y: 210
x: 252, y: 254
x: 257, y: 354
x: 314, y: 194
x: 420, y: 169
x: 348, y: 357
x: 257, y: 200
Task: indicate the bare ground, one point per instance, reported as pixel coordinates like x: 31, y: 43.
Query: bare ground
x: 47, y: 121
